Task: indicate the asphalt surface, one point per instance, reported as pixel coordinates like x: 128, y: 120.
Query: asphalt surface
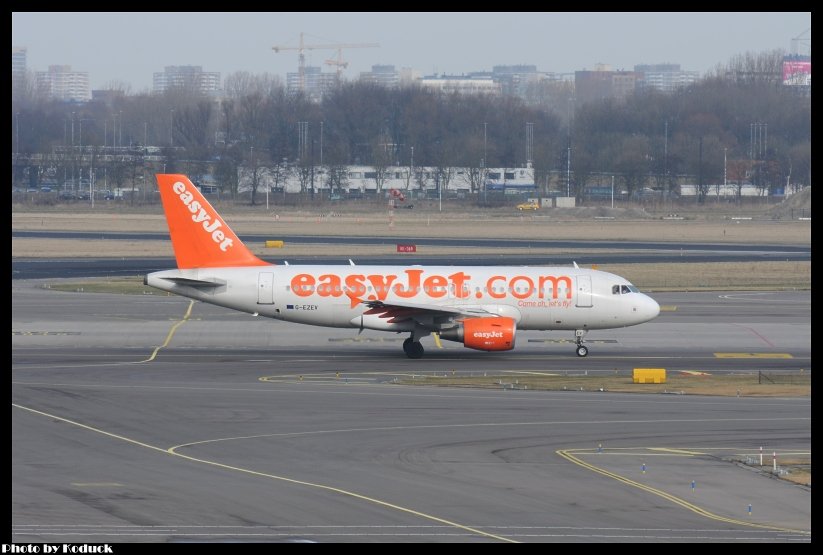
x: 633, y: 252
x: 148, y: 419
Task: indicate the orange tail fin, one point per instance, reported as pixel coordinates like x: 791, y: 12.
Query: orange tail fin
x: 200, y: 237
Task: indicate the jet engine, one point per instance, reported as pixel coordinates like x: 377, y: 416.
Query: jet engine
x: 483, y: 334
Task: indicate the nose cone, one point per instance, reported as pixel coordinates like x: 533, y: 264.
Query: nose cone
x: 649, y: 309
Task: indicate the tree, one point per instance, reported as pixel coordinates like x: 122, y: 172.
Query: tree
x: 381, y: 159
x: 421, y: 177
x: 337, y: 178
x: 583, y: 169
x: 227, y: 169
x: 193, y: 128
x: 474, y: 175
x: 632, y: 161
x: 254, y: 171
x: 736, y: 171
x: 279, y: 173
x: 800, y: 163
x: 752, y: 68
x: 303, y: 171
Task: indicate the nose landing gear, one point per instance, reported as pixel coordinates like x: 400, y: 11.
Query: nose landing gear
x: 578, y: 339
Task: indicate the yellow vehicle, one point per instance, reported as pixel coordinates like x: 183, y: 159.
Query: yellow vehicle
x: 528, y: 206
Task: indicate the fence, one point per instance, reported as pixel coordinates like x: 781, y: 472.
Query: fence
x: 799, y: 378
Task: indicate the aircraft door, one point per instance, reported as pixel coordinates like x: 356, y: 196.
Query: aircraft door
x: 584, y: 291
x: 265, y: 288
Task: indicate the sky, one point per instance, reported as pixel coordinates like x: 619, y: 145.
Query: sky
x: 131, y: 47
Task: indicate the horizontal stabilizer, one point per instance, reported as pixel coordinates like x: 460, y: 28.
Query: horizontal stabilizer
x: 196, y: 282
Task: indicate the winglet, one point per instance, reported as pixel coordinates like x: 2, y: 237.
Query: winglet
x: 200, y: 237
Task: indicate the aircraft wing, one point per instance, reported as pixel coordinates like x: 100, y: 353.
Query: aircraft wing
x: 398, y: 311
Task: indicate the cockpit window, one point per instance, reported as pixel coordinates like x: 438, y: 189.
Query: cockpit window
x: 623, y: 289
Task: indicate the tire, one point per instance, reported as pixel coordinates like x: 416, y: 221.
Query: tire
x: 415, y: 350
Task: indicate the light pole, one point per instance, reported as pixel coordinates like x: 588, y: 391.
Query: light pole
x: 321, y: 144
x: 666, y: 149
x: 74, y: 155
x: 724, y: 170
x: 612, y: 191
x: 171, y: 127
x: 485, y: 128
x: 483, y: 162
x: 570, y: 112
x: 483, y: 179
x: 120, y: 139
x: 411, y: 168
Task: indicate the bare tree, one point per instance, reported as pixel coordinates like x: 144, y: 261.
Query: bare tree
x: 736, y: 171
x: 242, y: 83
x: 754, y: 67
x: 303, y: 170
x: 381, y: 159
x: 583, y: 169
x: 632, y: 162
x: 253, y: 172
x: 193, y: 125
x: 422, y: 178
x: 337, y: 178
x: 474, y: 176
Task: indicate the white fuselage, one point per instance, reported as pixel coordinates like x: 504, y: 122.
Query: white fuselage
x: 537, y: 298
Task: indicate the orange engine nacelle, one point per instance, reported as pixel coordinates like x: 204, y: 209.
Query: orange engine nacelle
x: 484, y: 334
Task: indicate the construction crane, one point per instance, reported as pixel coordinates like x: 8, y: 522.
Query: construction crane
x: 805, y: 39
x: 301, y: 57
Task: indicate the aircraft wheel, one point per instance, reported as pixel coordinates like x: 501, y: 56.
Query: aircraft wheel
x: 582, y: 351
x: 407, y: 345
x: 415, y: 349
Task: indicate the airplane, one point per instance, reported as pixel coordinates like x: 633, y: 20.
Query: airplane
x: 482, y: 307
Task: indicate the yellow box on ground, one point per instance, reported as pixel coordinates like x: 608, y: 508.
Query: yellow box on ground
x: 649, y: 375
x: 274, y: 244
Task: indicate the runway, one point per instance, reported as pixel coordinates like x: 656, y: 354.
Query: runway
x: 624, y: 252
x: 147, y: 418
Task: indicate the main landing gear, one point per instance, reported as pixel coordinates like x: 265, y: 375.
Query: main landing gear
x: 412, y: 348
x: 578, y: 338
